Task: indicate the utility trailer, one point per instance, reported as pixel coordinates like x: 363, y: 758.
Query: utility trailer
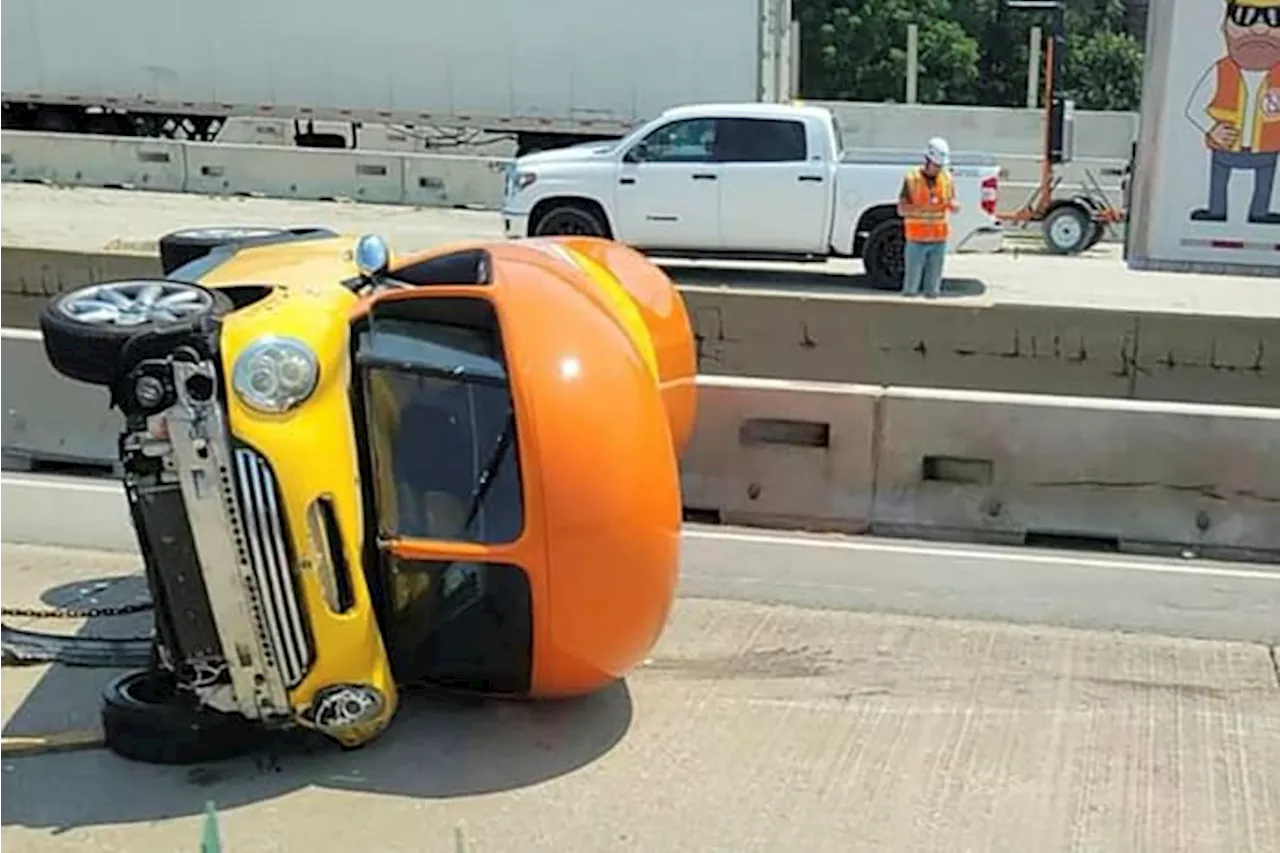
x: 551, y: 73
x: 1204, y: 193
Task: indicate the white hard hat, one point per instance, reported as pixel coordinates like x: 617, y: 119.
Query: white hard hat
x: 938, y: 151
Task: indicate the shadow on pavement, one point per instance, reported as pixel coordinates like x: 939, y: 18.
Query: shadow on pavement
x: 60, y: 698
x: 437, y: 747
x: 806, y: 280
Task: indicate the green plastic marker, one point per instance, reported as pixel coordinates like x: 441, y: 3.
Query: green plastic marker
x: 209, y: 841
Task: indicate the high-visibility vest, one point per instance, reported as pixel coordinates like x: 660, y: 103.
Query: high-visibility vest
x: 930, y: 224
x: 1230, y: 97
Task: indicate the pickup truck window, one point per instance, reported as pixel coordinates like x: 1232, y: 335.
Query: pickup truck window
x: 757, y: 140
x: 687, y: 141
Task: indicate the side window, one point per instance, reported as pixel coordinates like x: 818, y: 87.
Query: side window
x: 687, y: 141
x: 757, y: 140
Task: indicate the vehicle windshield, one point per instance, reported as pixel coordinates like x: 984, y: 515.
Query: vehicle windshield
x: 442, y: 429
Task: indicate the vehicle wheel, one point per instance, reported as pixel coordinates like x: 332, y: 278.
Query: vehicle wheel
x: 1095, y: 235
x: 85, y: 331
x: 144, y: 718
x: 572, y: 220
x: 182, y: 247
x: 1067, y: 229
x: 883, y: 255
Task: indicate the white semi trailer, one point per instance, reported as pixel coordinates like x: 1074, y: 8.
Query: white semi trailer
x: 1204, y: 193
x: 551, y: 72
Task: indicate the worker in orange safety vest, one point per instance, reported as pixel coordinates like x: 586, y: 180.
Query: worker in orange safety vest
x: 927, y: 198
x: 1236, y: 105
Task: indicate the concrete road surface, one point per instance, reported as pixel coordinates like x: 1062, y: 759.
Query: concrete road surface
x: 1078, y: 589
x: 752, y: 728
x: 87, y: 219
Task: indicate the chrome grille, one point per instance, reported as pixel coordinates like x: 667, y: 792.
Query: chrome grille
x: 268, y: 552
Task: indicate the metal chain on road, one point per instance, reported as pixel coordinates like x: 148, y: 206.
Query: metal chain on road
x: 76, y: 612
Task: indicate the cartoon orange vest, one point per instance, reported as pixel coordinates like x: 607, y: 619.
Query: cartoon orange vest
x: 929, y: 226
x: 1229, y: 100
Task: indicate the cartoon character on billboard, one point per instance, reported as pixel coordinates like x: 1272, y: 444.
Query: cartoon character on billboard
x: 1236, y: 105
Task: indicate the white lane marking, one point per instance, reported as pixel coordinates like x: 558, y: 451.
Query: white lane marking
x: 962, y: 553
x: 837, y: 544
x: 70, y: 483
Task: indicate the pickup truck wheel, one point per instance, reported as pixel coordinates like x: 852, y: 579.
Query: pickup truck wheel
x: 1067, y: 229
x: 571, y: 220
x: 146, y: 719
x: 85, y: 331
x: 182, y: 247
x: 883, y: 255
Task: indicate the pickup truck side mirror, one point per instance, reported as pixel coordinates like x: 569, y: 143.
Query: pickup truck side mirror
x: 636, y: 154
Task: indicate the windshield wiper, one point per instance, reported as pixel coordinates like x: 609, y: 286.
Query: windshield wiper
x: 485, y: 480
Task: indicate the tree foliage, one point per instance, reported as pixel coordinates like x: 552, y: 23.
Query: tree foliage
x: 970, y: 51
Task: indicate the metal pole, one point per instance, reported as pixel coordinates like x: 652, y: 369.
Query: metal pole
x: 1033, y: 67
x: 913, y: 61
x: 794, y: 66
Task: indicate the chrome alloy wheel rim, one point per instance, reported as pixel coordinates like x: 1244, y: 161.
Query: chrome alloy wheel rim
x: 135, y: 303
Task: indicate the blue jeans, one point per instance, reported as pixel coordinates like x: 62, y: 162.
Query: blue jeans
x: 1221, y: 165
x: 923, y: 263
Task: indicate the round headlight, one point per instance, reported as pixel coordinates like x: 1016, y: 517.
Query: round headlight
x: 275, y: 374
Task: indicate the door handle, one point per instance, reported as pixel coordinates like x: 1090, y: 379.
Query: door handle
x: 817, y: 179
x: 703, y: 176
x: 626, y: 180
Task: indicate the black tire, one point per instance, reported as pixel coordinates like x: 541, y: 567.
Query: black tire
x: 92, y: 352
x: 883, y: 255
x: 1095, y: 236
x: 145, y: 719
x: 1067, y: 229
x: 182, y: 247
x: 574, y: 220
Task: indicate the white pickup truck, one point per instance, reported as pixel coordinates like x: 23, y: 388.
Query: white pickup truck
x: 742, y: 181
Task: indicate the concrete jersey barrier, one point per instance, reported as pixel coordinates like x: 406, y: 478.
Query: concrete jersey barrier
x: 1005, y: 347
x: 940, y: 463
x: 276, y: 171
x: 992, y: 467
x: 48, y: 417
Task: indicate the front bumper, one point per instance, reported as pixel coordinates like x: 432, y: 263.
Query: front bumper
x: 242, y: 558
x: 240, y: 597
x: 515, y: 225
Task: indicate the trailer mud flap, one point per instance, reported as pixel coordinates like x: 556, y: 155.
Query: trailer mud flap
x: 30, y: 647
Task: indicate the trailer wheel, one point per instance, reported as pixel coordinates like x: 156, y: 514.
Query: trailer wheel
x: 883, y: 255
x: 1067, y: 229
x: 182, y: 247
x: 1095, y: 236
x: 574, y: 220
x: 146, y: 719
x: 85, y: 331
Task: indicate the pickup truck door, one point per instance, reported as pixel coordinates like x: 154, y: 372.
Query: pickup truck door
x: 668, y: 191
x: 776, y: 187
